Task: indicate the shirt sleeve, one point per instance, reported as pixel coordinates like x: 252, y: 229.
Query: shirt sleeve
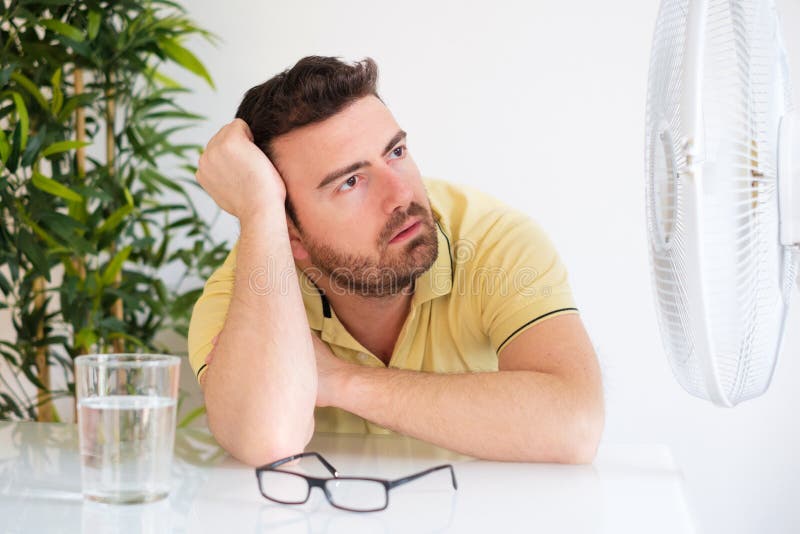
x: 209, y: 313
x: 520, y: 279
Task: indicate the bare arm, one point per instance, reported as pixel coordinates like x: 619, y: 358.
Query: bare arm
x: 544, y: 404
x: 260, y: 388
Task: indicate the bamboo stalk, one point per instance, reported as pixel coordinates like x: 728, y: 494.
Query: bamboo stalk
x: 79, y: 262
x: 44, y: 412
x: 80, y: 125
x: 116, y: 307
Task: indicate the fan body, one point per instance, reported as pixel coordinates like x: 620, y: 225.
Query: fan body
x: 722, y: 203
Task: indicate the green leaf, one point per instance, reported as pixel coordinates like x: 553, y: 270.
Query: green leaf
x: 48, y: 185
x: 28, y: 246
x: 74, y: 102
x: 5, y: 74
x: 34, y: 145
x: 149, y: 174
x: 114, y: 219
x: 58, y: 95
x: 69, y: 230
x: 166, y: 81
x: 5, y: 286
x: 29, y: 374
x: 138, y: 147
x: 39, y: 231
x: 10, y: 404
x: 52, y: 340
x: 185, y: 59
x: 67, y: 30
x: 85, y: 338
x: 77, y: 211
x: 22, y: 114
x: 94, y: 24
x: 16, y: 140
x: 162, y: 251
x: 163, y: 207
x: 173, y: 115
x: 5, y: 147
x: 191, y: 416
x: 184, y: 221
x: 63, y: 146
x: 128, y: 196
x: 47, y: 2
x: 10, y: 358
x: 29, y: 86
x: 115, y: 265
x: 63, y: 222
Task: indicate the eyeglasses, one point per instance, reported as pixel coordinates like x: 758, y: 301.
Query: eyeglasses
x: 354, y: 494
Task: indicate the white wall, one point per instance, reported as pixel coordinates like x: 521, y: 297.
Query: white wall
x: 542, y: 103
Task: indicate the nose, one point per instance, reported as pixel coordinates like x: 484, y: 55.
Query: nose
x: 397, y: 191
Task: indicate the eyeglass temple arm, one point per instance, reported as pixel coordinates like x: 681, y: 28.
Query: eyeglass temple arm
x: 332, y: 470
x: 401, y: 481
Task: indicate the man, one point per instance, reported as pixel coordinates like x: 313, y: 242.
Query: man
x: 362, y: 298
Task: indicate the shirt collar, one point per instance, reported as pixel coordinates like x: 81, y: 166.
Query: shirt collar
x: 438, y: 280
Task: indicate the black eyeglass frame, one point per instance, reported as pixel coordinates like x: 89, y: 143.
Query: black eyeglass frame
x: 321, y: 483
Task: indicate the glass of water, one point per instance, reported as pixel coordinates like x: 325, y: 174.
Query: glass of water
x: 126, y: 425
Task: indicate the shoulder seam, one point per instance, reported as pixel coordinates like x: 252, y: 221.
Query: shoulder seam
x: 528, y: 323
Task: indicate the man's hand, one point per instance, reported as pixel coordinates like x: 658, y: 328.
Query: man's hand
x: 330, y: 371
x: 237, y: 174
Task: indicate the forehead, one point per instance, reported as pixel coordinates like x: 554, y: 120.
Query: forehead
x: 358, y: 132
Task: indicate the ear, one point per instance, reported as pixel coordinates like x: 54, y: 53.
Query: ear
x: 298, y: 248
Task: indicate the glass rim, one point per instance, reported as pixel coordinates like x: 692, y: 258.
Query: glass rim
x: 127, y: 360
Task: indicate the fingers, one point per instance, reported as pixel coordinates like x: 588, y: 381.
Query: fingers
x: 233, y: 129
x: 235, y: 173
x: 239, y: 124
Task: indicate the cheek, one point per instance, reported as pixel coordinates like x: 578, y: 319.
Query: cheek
x: 352, y: 229
x: 409, y: 166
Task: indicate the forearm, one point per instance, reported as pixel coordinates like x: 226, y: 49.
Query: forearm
x: 504, y: 415
x: 260, y: 388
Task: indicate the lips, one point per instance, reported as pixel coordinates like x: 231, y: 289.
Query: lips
x: 407, y: 227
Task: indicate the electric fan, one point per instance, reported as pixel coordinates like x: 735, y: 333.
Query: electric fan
x: 723, y: 205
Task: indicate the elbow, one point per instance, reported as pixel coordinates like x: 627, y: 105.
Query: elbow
x: 259, y: 447
x: 573, y: 442
x: 256, y: 451
x: 586, y: 435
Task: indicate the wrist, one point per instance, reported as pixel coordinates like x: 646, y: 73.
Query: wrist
x: 349, y: 386
x: 266, y: 213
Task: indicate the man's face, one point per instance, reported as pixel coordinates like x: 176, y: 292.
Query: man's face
x: 354, y: 188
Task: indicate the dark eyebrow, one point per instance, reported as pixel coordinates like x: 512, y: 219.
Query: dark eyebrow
x: 335, y: 175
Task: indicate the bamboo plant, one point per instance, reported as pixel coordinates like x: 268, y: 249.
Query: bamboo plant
x: 89, y: 218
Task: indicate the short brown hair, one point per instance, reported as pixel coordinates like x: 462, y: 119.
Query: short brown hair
x: 314, y: 89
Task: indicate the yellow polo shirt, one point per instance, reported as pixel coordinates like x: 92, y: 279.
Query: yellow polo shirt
x: 496, y: 274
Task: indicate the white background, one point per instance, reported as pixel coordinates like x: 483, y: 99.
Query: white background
x: 542, y: 104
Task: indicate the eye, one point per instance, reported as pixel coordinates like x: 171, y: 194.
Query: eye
x: 349, y: 183
x: 399, y: 151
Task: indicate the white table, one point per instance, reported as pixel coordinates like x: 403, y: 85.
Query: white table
x: 633, y: 488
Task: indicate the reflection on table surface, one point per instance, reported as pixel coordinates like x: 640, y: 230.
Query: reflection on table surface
x: 634, y: 488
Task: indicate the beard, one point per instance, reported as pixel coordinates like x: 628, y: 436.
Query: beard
x: 393, y: 272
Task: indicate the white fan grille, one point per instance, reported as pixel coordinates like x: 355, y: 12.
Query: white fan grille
x: 728, y: 249
x: 665, y: 162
